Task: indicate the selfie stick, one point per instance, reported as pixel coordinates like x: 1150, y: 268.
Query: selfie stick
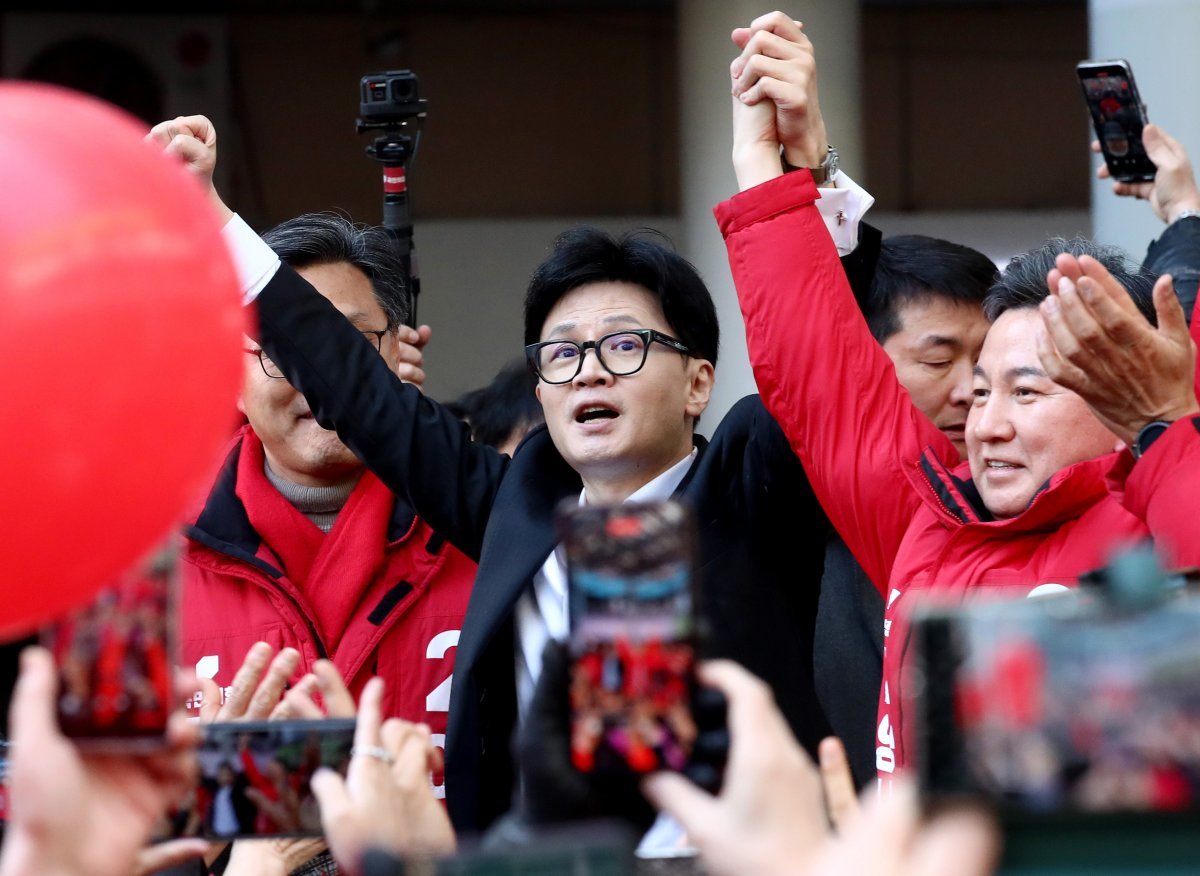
x: 394, y: 149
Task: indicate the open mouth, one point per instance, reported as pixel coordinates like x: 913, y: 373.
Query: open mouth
x: 999, y: 465
x: 595, y: 412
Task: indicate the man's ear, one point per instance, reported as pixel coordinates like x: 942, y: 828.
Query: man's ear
x: 700, y: 387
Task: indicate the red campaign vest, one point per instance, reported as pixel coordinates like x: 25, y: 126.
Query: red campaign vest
x: 384, y: 594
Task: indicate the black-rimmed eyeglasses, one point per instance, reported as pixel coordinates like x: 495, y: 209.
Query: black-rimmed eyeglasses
x: 374, y: 338
x: 620, y: 353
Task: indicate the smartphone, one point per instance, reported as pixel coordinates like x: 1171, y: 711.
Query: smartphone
x: 632, y: 645
x: 115, y: 658
x: 1118, y: 116
x: 1065, y: 704
x: 254, y: 779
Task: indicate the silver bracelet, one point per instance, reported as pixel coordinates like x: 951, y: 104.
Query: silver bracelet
x: 1187, y: 214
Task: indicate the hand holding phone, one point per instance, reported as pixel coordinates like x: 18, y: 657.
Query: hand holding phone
x: 114, y: 659
x: 1118, y: 116
x: 254, y: 778
x: 1173, y: 191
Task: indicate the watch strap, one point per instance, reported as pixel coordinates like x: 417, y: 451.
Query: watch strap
x: 822, y: 173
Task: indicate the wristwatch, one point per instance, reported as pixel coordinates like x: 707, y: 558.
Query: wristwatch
x: 823, y: 172
x: 1146, y: 436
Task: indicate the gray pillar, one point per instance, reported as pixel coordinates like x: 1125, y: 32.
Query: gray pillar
x: 1158, y: 39
x: 707, y: 173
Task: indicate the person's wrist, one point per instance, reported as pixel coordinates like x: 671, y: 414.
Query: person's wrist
x: 1182, y: 411
x: 810, y: 154
x: 755, y: 164
x: 1183, y: 209
x: 1134, y: 437
x: 808, y: 150
x: 224, y: 214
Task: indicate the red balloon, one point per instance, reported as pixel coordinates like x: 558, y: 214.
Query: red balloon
x: 120, y: 331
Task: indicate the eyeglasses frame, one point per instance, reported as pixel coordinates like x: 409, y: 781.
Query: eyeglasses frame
x: 649, y: 336
x: 260, y: 352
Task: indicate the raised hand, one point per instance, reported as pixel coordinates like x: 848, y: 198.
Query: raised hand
x: 326, y: 681
x: 1099, y: 345
x: 257, y: 686
x: 193, y: 140
x: 1173, y: 188
x: 777, y: 65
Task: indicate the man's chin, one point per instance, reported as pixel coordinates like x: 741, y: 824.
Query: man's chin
x: 1003, y: 504
x: 325, y: 457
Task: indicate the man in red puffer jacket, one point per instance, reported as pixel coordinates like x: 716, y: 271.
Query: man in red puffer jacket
x: 1083, y: 435
x: 298, y: 544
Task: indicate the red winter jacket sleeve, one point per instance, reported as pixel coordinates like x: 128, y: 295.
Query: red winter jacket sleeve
x: 821, y: 373
x: 1161, y: 490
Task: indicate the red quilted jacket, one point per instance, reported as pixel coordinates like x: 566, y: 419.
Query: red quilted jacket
x: 393, y: 593
x: 889, y: 480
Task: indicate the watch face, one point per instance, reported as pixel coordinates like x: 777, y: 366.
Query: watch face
x: 1147, y: 436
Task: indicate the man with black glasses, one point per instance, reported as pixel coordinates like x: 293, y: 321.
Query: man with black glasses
x: 297, y: 544
x: 624, y: 337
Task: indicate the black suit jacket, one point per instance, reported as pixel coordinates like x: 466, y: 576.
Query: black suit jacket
x: 762, y: 534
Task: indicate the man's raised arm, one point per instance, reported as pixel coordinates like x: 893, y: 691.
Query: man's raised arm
x: 821, y: 373
x: 411, y: 443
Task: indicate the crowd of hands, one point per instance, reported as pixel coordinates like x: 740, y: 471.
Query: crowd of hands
x: 74, y: 813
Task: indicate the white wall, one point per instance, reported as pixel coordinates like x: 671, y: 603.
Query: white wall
x: 473, y: 278
x: 1159, y: 39
x: 474, y: 275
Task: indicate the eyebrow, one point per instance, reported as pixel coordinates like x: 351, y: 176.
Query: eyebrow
x: 939, y: 341
x: 1013, y: 373
x: 616, y: 319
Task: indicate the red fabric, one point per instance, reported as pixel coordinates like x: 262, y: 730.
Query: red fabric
x: 264, y: 824
x: 316, y: 562
x: 863, y: 445
x: 231, y: 601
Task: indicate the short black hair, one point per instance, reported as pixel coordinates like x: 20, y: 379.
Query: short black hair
x: 506, y: 405
x: 644, y: 258
x: 913, y: 267
x: 1023, y: 283
x: 328, y: 238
